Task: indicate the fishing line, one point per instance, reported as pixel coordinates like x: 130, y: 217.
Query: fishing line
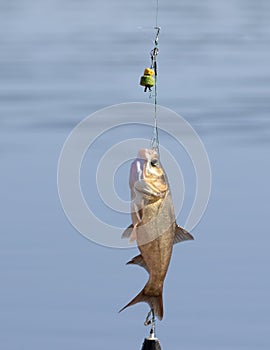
x: 154, y: 52
x: 149, y: 80
x: 157, y: 9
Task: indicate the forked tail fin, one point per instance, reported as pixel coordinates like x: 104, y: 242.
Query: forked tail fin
x: 155, y: 303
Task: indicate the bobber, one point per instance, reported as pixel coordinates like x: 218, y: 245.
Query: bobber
x: 147, y: 80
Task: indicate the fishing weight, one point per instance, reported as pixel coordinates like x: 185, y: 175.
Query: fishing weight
x: 151, y: 344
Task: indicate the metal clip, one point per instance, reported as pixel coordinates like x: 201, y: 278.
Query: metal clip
x: 154, y: 52
x: 148, y: 320
x: 151, y: 320
x: 156, y: 40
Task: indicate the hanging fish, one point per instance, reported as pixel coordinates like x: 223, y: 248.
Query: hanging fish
x: 153, y: 226
x: 147, y: 79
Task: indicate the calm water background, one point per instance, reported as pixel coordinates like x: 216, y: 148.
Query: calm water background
x: 59, y: 62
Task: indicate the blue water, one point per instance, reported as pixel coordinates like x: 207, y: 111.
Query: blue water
x: 63, y: 60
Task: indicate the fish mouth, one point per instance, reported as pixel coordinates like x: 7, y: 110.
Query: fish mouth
x: 147, y: 175
x: 149, y: 189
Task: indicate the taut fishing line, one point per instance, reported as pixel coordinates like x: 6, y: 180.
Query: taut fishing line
x: 149, y: 80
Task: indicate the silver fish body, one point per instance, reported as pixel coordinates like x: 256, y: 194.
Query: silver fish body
x: 153, y: 226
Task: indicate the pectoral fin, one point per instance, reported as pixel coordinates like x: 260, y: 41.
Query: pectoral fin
x: 138, y: 260
x: 181, y: 235
x: 133, y: 235
x: 128, y: 231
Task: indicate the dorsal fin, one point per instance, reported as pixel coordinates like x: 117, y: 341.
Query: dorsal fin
x: 181, y: 235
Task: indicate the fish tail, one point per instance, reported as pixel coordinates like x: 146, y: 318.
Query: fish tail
x: 154, y: 301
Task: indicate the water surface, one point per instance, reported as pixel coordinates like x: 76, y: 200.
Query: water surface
x: 61, y: 61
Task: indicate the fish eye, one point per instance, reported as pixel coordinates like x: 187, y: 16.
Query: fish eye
x: 154, y: 162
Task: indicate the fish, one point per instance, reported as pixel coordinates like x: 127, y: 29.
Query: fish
x: 153, y: 226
